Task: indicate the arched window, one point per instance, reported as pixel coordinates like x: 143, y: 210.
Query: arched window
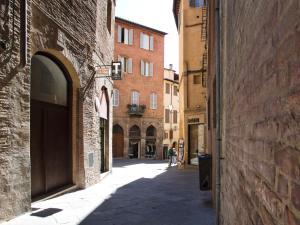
x: 151, y: 131
x: 48, y: 82
x: 135, y: 131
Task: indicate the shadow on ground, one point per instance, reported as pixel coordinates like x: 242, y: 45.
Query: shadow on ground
x: 171, y: 198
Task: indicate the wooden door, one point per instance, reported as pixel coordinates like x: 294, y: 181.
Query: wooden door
x: 118, y: 142
x: 50, y: 148
x: 56, y: 147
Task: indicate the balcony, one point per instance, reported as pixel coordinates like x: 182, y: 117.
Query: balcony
x: 136, y: 110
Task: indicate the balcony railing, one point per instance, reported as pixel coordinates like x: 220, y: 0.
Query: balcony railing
x: 136, y: 110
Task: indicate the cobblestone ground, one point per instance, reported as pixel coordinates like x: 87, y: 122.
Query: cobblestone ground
x: 138, y: 192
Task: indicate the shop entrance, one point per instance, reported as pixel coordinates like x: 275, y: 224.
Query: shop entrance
x: 134, y: 142
x: 50, y: 149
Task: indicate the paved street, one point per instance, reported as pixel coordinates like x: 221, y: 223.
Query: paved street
x: 138, y: 192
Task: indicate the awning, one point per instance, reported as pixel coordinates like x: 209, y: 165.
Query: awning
x: 101, y: 105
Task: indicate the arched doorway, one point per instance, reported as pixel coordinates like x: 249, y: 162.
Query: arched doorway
x: 118, y: 141
x: 134, y: 142
x: 103, y: 110
x: 150, y: 151
x: 50, y: 135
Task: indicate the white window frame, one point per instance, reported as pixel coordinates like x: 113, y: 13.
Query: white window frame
x: 127, y: 35
x: 153, y: 101
x: 135, y: 98
x: 126, y: 62
x: 147, y: 68
x: 116, y: 97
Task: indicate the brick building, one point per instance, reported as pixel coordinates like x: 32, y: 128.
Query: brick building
x: 138, y: 97
x: 55, y: 125
x: 254, y: 111
x: 190, y: 17
x: 171, y: 108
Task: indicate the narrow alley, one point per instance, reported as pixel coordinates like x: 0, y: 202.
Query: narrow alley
x: 137, y: 192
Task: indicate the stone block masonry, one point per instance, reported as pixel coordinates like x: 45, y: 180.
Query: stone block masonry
x: 261, y: 115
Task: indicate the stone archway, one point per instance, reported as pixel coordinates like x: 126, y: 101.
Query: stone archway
x: 134, y: 142
x: 150, y: 150
x: 53, y: 127
x: 118, y: 141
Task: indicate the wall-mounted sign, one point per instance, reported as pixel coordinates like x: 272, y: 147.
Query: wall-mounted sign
x: 194, y: 120
x: 103, y: 71
x: 116, y: 70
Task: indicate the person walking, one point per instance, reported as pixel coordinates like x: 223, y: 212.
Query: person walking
x: 170, y: 155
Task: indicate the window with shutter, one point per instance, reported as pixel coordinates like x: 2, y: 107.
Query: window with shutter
x: 129, y: 65
x: 151, y: 69
x: 146, y: 41
x: 142, y: 67
x: 141, y: 40
x: 151, y: 43
x: 153, y: 101
x: 146, y: 68
x: 167, y: 88
x: 174, y: 116
x: 116, y: 97
x: 131, y: 36
x: 135, y: 97
x: 126, y: 64
x: 125, y: 35
x: 119, y: 33
x: 167, y: 116
x: 175, y: 90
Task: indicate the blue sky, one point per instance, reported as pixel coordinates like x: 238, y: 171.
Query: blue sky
x: 157, y: 14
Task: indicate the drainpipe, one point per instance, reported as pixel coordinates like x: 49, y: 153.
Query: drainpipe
x: 218, y: 108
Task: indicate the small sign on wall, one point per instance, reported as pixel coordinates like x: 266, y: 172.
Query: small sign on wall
x: 116, y: 70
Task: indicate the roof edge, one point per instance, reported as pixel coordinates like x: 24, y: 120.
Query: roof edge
x: 140, y: 25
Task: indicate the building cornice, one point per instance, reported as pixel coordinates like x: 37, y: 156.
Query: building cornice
x: 140, y: 25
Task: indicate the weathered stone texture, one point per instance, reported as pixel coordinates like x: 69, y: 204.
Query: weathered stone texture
x: 261, y: 96
x: 14, y: 116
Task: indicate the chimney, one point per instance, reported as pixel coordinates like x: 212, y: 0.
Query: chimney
x: 171, y: 66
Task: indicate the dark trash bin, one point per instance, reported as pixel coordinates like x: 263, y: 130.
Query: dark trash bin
x: 204, y: 172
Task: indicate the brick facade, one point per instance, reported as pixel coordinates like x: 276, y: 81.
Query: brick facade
x: 144, y: 85
x: 75, y: 40
x: 260, y: 112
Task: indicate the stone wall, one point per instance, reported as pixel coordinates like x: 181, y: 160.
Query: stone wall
x: 83, y: 39
x: 261, y: 116
x: 76, y: 32
x: 14, y: 115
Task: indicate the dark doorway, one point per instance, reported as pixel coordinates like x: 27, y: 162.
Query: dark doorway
x: 51, y: 155
x: 133, y: 149
x: 196, y: 142
x: 150, y: 151
x: 102, y: 144
x: 134, y: 142
x: 118, y: 141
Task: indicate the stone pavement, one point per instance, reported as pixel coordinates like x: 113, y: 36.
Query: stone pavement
x: 138, y: 192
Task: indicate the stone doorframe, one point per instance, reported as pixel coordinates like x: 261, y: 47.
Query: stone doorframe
x: 76, y: 114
